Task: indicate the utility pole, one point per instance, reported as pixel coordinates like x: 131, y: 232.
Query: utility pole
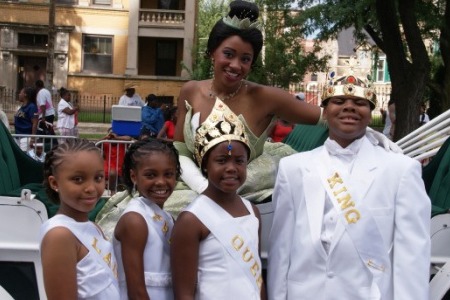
x: 51, y: 44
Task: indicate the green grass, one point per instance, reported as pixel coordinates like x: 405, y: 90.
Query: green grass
x: 92, y: 136
x: 94, y: 117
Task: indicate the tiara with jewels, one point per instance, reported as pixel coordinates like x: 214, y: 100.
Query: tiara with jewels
x: 220, y: 126
x: 349, y: 85
x: 237, y: 23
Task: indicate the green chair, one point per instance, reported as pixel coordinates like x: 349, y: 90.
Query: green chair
x: 436, y: 176
x: 306, y: 137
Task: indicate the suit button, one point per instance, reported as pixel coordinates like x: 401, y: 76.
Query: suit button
x: 330, y: 274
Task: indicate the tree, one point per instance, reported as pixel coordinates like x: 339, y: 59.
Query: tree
x: 285, y: 61
x: 399, y: 28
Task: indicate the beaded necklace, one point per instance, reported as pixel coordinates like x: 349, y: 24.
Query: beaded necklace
x: 213, y: 94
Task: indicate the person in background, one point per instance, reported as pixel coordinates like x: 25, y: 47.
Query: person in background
x: 77, y: 261
x: 300, y: 96
x: 45, y: 104
x: 4, y: 119
x: 345, y: 226
x: 389, y: 123
x: 280, y: 130
x: 37, y: 151
x: 168, y: 130
x: 131, y: 98
x: 67, y: 115
x: 26, y: 118
x: 113, y: 156
x: 423, y: 118
x: 152, y: 116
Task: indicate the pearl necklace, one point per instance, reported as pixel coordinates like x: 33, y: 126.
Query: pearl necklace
x: 213, y: 94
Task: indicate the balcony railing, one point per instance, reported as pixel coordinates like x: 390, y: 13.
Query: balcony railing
x: 161, y: 18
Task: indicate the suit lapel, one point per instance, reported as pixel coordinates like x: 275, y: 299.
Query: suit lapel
x: 315, y: 200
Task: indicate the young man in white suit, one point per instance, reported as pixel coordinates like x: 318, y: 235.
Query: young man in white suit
x: 351, y: 220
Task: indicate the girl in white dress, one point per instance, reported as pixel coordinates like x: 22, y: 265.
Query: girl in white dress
x: 215, y: 241
x: 78, y: 262
x: 142, y: 235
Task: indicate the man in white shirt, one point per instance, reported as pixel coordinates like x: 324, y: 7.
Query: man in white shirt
x: 44, y: 103
x: 131, y: 98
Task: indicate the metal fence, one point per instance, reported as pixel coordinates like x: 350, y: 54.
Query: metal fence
x: 97, y: 108
x: 93, y: 108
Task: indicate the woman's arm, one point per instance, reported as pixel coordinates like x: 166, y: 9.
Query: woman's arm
x: 70, y: 111
x: 162, y: 132
x: 185, y: 242
x: 59, y: 255
x: 132, y: 232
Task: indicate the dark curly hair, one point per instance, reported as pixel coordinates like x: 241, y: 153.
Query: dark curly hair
x: 141, y: 149
x: 221, y: 31
x: 57, y: 155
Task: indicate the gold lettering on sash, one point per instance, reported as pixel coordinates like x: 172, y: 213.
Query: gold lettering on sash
x: 237, y: 242
x: 254, y: 268
x: 346, y: 202
x: 352, y: 216
x: 259, y: 281
x: 334, y: 179
x: 157, y: 217
x: 343, y: 189
x: 94, y: 245
x: 247, y: 255
x: 165, y: 227
x: 107, y: 259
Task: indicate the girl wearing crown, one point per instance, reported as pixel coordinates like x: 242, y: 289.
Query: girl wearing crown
x: 215, y: 240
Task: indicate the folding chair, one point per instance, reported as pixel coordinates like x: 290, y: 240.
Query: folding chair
x: 20, y: 262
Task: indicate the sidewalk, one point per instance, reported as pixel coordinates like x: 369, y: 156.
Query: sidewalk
x: 93, y: 128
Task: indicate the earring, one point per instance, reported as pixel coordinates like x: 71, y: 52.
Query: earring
x: 56, y: 190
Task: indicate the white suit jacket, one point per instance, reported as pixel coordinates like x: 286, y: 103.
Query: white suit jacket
x: 391, y: 187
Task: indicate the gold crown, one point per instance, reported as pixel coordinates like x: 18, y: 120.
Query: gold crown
x: 221, y: 125
x: 349, y: 85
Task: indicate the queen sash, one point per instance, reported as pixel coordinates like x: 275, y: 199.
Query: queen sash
x: 357, y: 219
x: 228, y: 232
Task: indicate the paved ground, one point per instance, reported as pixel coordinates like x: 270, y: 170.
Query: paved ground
x: 93, y: 128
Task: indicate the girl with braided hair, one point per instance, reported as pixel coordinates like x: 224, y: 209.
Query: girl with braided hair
x: 78, y: 262
x: 142, y: 235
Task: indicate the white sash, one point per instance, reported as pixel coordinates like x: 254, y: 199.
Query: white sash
x: 358, y: 221
x: 165, y: 223
x: 85, y: 235
x: 233, y: 239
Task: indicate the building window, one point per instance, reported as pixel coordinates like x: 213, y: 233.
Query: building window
x: 66, y: 1
x: 380, y: 69
x: 97, y: 54
x: 33, y: 40
x: 102, y: 2
x: 166, y: 58
x: 167, y: 4
x: 314, y: 77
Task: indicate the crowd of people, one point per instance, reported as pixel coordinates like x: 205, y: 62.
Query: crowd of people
x: 188, y: 227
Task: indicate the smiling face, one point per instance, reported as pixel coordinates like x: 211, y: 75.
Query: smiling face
x: 232, y: 60
x: 348, y: 118
x: 226, y: 169
x: 79, y: 181
x: 155, y: 176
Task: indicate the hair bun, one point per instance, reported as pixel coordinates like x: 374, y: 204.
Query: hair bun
x: 244, y: 9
